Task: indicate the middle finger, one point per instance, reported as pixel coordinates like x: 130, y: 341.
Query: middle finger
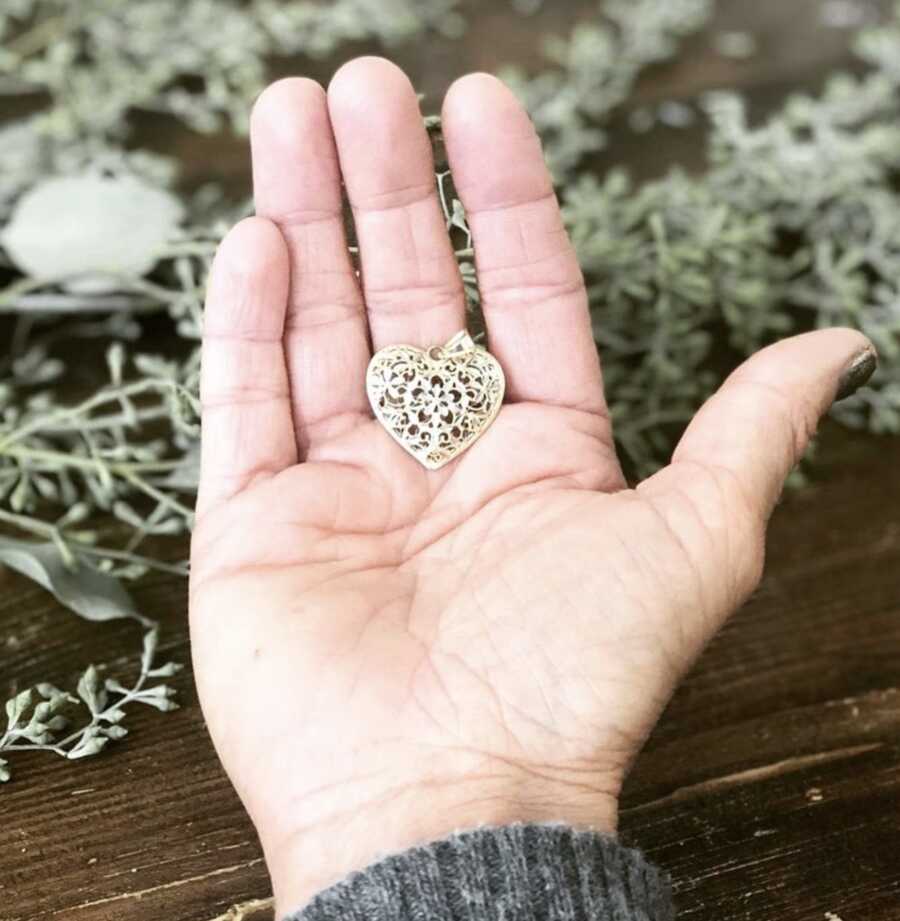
x: 411, y: 281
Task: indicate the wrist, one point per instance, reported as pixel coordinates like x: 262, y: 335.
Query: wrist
x: 313, y: 857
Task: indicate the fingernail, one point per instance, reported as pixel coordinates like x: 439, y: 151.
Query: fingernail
x: 857, y: 373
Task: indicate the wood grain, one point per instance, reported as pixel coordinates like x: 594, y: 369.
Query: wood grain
x: 771, y: 787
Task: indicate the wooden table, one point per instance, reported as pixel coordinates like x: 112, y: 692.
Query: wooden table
x: 771, y: 787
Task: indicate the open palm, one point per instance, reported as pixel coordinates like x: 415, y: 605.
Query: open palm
x: 386, y: 653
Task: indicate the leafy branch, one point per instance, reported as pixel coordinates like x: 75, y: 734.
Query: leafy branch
x: 593, y: 71
x: 102, y: 459
x: 42, y: 718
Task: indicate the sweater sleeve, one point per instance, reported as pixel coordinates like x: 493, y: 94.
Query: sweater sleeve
x: 508, y: 873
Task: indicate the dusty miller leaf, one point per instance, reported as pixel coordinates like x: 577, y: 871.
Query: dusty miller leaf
x: 90, y: 227
x: 90, y: 594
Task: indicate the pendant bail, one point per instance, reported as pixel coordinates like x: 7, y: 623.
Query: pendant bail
x: 461, y: 342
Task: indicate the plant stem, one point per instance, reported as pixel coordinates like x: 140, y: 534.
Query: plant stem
x: 24, y: 523
x: 125, y: 557
x: 121, y: 468
x: 38, y: 37
x: 65, y: 303
x: 98, y: 399
x: 42, y: 529
x: 160, y: 497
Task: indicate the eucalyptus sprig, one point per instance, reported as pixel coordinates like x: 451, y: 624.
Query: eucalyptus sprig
x: 47, y: 719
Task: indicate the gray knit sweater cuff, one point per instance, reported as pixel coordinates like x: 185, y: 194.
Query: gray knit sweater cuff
x: 509, y: 873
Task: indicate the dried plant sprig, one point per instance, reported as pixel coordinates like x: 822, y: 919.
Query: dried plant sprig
x: 47, y: 719
x: 593, y: 71
x: 117, y: 457
x: 56, y: 48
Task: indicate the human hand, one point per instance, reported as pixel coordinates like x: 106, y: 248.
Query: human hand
x: 383, y: 653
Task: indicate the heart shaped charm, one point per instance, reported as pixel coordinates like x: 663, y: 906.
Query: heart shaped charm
x: 437, y: 402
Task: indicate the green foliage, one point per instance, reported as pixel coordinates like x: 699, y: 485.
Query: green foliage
x: 667, y: 263
x: 792, y: 226
x: 593, y: 71
x: 116, y: 460
x: 46, y: 719
x: 98, y: 60
x: 91, y: 594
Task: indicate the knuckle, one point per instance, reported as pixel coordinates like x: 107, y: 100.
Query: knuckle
x: 394, y: 198
x: 555, y: 278
x: 796, y: 414
x: 415, y: 298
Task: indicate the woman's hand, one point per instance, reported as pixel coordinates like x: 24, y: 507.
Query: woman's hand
x: 385, y: 654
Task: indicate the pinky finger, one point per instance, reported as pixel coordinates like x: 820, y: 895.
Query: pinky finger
x: 247, y: 425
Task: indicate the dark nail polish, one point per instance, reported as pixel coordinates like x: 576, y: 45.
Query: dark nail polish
x: 857, y: 374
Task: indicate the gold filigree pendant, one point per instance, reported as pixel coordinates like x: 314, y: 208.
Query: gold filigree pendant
x: 435, y: 403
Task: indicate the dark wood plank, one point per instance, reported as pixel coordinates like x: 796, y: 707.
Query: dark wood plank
x: 771, y: 787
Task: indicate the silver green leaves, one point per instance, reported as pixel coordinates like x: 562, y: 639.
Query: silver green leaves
x: 91, y: 232
x: 82, y: 589
x: 47, y: 719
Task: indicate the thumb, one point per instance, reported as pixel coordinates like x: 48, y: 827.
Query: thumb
x: 731, y: 464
